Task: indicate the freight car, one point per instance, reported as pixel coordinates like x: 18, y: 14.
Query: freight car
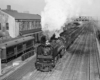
x: 14, y: 48
x: 48, y: 55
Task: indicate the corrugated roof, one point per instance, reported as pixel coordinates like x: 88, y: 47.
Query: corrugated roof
x: 18, y: 15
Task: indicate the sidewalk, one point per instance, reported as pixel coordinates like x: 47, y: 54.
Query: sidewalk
x: 6, y: 67
x: 17, y: 69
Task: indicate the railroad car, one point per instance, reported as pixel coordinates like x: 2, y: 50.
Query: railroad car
x: 14, y: 48
x: 48, y: 55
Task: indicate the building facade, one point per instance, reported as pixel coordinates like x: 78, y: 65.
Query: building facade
x: 6, y: 25
x: 21, y: 23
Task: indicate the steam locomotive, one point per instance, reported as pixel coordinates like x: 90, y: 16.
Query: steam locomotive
x: 48, y: 55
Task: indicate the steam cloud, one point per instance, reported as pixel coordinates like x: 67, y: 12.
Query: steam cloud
x: 57, y: 12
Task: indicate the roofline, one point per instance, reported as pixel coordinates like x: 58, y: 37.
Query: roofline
x: 4, y: 11
x: 27, y: 19
x: 7, y: 14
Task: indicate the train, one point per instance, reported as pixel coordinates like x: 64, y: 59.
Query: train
x: 49, y: 54
x: 15, y: 48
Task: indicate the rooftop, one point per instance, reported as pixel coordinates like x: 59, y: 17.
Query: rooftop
x: 18, y: 15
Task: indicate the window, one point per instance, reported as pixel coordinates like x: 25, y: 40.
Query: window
x: 20, y: 26
x: 36, y: 24
x: 28, y: 25
x: 7, y: 26
x: 23, y: 25
x: 33, y: 24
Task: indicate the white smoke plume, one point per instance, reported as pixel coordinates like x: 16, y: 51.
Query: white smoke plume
x: 57, y: 12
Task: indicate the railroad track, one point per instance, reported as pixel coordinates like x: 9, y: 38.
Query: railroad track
x: 80, y: 63
x: 85, y: 70
x: 74, y: 60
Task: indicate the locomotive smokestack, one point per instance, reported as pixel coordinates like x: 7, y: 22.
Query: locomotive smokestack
x: 8, y: 7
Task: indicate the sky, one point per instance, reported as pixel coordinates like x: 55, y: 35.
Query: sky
x: 36, y: 6
x: 33, y: 6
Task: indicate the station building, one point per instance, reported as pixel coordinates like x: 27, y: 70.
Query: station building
x: 16, y: 23
x: 5, y: 21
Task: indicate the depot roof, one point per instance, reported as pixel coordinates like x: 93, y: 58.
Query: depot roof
x: 18, y: 15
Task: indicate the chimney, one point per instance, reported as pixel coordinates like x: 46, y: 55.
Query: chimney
x: 8, y: 7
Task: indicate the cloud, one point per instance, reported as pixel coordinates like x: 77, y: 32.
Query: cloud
x: 56, y: 12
